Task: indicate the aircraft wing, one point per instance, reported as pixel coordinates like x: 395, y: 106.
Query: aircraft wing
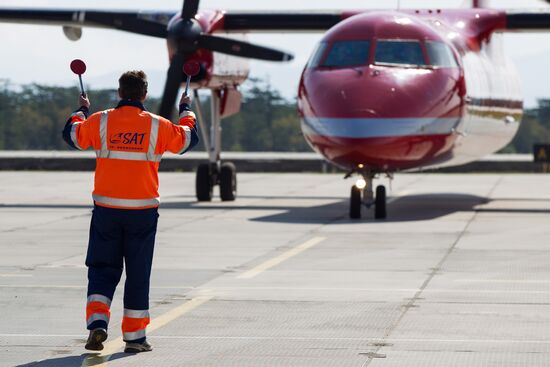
x: 154, y: 24
x: 528, y: 21
x: 280, y: 22
x: 146, y: 23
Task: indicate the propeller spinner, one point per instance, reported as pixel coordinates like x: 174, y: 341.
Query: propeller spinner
x: 187, y: 35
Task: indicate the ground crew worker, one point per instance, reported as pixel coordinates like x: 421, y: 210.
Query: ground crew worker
x: 129, y: 142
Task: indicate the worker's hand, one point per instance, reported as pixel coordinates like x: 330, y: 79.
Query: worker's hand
x: 84, y: 101
x: 185, y: 99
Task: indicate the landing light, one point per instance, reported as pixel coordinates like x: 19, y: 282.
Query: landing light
x: 361, y: 184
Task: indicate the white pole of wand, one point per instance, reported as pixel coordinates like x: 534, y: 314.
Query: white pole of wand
x: 187, y: 85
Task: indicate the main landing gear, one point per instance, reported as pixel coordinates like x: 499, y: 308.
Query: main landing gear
x: 209, y: 176
x: 362, y: 194
x: 214, y: 173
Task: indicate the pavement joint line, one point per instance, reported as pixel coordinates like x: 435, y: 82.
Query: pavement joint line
x: 34, y: 225
x: 15, y: 275
x: 42, y: 286
x: 535, y: 281
x: 435, y: 270
x: 268, y: 264
x: 363, y: 339
x: 101, y: 359
x: 473, y: 291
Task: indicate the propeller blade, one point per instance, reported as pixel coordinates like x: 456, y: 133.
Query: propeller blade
x: 242, y: 49
x: 190, y: 9
x: 174, y: 78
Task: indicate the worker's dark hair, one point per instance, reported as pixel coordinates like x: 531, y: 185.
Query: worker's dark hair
x: 133, y: 85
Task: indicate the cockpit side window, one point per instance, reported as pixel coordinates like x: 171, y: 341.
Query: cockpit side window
x: 440, y: 55
x: 399, y: 52
x: 348, y: 53
x: 316, y: 55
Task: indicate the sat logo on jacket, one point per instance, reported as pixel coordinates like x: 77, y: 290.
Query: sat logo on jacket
x: 127, y: 138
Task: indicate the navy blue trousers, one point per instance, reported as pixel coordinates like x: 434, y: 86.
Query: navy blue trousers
x: 121, y: 237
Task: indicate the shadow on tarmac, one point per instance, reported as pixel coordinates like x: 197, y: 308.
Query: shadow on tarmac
x: 83, y: 360
x: 402, y: 209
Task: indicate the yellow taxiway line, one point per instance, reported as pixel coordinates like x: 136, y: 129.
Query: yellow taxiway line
x: 280, y: 258
x: 101, y: 359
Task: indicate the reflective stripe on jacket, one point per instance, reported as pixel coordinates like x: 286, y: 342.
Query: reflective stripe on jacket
x: 129, y: 143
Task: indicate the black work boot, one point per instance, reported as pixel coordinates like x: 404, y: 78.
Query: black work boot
x: 96, y: 339
x: 138, y: 347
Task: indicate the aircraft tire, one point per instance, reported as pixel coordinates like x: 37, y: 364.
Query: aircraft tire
x: 380, y: 203
x: 355, y: 203
x: 228, y: 181
x: 203, y: 183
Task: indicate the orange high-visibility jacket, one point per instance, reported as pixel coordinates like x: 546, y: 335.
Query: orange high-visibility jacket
x: 129, y: 143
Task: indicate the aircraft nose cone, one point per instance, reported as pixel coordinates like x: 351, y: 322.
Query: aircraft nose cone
x: 380, y: 116
x: 381, y: 92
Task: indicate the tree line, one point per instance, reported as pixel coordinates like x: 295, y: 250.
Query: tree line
x: 32, y: 117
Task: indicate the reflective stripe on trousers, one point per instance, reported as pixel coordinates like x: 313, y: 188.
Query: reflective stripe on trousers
x: 97, y: 309
x: 150, y: 155
x: 134, y: 324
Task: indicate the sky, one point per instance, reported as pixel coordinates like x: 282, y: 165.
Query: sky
x: 41, y: 54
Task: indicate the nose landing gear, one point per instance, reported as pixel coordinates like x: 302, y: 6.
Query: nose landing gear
x: 380, y: 202
x: 362, y: 194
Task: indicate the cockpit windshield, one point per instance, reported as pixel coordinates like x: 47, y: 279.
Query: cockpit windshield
x: 348, y: 53
x: 399, y: 52
x: 440, y: 55
x: 391, y: 52
x: 317, y: 54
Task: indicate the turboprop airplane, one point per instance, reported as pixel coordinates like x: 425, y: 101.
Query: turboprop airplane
x: 384, y: 90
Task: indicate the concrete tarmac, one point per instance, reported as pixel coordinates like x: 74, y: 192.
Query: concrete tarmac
x: 458, y: 275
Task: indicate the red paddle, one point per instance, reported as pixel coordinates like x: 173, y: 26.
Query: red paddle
x: 191, y: 68
x: 79, y: 67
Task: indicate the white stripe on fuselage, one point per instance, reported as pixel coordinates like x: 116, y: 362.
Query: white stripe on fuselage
x: 378, y: 127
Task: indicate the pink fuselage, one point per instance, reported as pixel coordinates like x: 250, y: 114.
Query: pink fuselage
x: 390, y: 117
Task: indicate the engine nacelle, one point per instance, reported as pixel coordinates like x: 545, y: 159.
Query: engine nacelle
x: 218, y: 71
